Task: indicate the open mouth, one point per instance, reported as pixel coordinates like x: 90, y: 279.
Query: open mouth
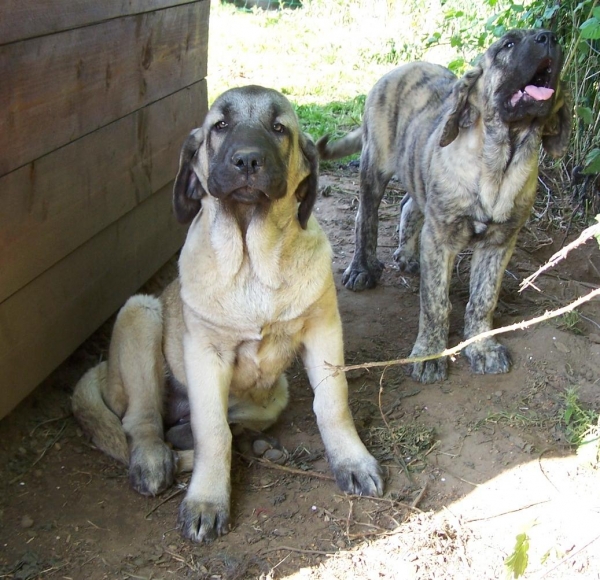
x: 538, y: 87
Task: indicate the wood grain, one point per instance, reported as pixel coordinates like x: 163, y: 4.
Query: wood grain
x: 22, y: 19
x: 46, y: 320
x: 55, y: 204
x: 57, y: 88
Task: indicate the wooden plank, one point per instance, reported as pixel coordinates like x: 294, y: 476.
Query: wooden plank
x: 53, y: 205
x: 45, y: 321
x: 21, y: 19
x: 58, y: 88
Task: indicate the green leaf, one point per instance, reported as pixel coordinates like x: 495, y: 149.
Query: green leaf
x: 518, y: 560
x: 585, y: 114
x: 457, y: 65
x: 596, y: 12
x: 590, y: 29
x: 456, y: 41
x: 592, y: 162
x: 550, y: 12
x: 568, y: 414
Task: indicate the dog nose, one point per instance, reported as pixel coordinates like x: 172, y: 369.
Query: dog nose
x: 546, y: 37
x: 248, y: 160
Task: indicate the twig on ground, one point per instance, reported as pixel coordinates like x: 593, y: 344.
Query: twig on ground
x: 387, y: 500
x: 292, y: 470
x: 299, y: 550
x: 164, y: 501
x: 525, y: 507
x: 571, y: 555
x: 418, y: 499
x: 48, y: 446
x: 561, y: 254
x: 49, y: 421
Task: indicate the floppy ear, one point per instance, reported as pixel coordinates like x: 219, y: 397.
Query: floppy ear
x: 557, y: 129
x: 306, y: 192
x: 188, y: 191
x: 463, y: 113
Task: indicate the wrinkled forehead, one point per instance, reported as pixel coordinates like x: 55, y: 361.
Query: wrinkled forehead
x: 253, y: 104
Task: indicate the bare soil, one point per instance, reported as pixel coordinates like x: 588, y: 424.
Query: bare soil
x: 471, y: 462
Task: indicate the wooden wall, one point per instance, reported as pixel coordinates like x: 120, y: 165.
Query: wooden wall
x: 96, y: 100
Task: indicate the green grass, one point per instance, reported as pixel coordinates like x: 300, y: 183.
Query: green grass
x: 578, y: 420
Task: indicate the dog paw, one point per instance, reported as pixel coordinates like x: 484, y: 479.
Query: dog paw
x: 359, y: 277
x: 202, y: 521
x: 430, y: 371
x: 491, y: 359
x: 406, y: 263
x: 151, y: 468
x: 359, y: 477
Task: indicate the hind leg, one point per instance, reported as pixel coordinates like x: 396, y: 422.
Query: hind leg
x: 411, y: 222
x: 136, y: 382
x: 365, y: 269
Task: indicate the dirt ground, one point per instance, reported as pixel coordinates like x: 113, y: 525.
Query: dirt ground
x: 471, y: 462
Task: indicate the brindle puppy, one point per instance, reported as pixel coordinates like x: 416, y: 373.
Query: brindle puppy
x: 467, y: 151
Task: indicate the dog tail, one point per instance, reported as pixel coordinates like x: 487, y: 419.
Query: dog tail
x: 347, y: 145
x: 95, y: 418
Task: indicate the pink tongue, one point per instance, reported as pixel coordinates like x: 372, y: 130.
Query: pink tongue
x: 539, y: 93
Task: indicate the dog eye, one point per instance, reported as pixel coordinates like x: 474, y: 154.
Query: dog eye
x: 219, y: 126
x: 278, y: 127
x: 509, y: 44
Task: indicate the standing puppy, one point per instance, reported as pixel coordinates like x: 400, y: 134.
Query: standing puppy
x: 466, y: 150
x: 255, y: 287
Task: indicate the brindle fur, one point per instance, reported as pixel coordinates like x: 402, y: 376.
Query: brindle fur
x: 255, y: 287
x: 469, y: 162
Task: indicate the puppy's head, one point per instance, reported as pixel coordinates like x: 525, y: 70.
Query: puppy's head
x: 516, y: 82
x: 521, y: 74
x: 249, y: 150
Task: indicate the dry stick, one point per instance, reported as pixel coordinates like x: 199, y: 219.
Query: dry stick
x: 41, y: 456
x: 525, y: 507
x: 561, y: 254
x: 418, y: 499
x: 299, y: 550
x: 293, y: 470
x: 572, y: 555
x: 454, y: 350
x: 385, y: 500
x: 164, y: 501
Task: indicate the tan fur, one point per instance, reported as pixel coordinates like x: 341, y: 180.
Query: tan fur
x: 467, y: 155
x: 255, y: 287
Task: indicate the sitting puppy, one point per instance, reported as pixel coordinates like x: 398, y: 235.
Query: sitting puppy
x: 255, y: 287
x: 467, y: 152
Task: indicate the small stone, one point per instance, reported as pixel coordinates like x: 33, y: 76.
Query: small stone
x: 595, y: 338
x: 561, y: 347
x: 26, y: 521
x: 275, y: 456
x: 340, y: 544
x: 498, y: 394
x: 260, y: 447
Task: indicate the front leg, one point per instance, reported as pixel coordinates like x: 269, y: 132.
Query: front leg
x: 204, y: 513
x: 366, y: 269
x: 356, y: 471
x: 436, y: 266
x: 487, y: 269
